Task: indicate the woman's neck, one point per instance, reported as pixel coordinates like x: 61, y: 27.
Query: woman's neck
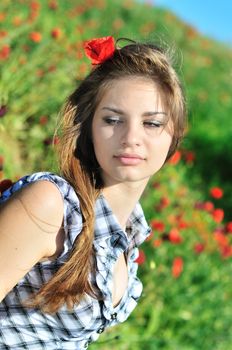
x: 122, y: 200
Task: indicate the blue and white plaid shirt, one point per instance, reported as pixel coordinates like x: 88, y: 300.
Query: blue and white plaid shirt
x: 25, y: 328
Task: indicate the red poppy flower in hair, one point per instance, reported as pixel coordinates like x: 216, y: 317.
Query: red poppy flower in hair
x: 100, y: 49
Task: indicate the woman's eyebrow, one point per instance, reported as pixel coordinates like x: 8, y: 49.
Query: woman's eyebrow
x: 148, y: 114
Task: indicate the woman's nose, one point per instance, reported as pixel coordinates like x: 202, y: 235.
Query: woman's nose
x: 131, y: 134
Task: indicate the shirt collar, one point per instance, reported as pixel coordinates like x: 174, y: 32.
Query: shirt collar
x: 106, y: 224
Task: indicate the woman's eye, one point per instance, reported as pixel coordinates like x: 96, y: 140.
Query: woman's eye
x: 153, y: 123
x: 112, y: 120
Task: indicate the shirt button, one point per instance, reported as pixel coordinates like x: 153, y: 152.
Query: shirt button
x: 114, y: 316
x: 100, y: 330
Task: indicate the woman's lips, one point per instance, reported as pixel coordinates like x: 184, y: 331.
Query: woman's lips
x: 129, y: 159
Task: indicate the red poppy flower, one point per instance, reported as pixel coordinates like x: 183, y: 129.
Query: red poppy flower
x: 141, y: 258
x: 100, y: 49
x: 156, y: 184
x: 56, y: 33
x: 3, y: 33
x: 208, y: 206
x: 35, y: 5
x: 52, y: 68
x: 2, y: 16
x: 177, y: 267
x: 218, y: 215
x: 221, y: 239
x: 174, y: 236
x: 175, y: 158
x: 40, y: 73
x: 157, y: 243
x: 216, y: 192
x: 53, y: 4
x: 189, y: 157
x: 164, y: 202
x: 229, y: 227
x: 226, y: 251
x: 199, y: 248
x: 4, y: 52
x: 157, y: 225
x: 36, y: 37
x: 43, y: 120
x: 17, y: 21
x: 182, y: 224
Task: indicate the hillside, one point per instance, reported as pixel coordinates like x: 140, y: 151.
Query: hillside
x: 38, y: 72
x: 186, y: 262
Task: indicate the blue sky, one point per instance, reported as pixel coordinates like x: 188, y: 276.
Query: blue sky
x: 212, y: 18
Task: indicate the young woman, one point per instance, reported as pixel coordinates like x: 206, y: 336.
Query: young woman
x: 68, y: 243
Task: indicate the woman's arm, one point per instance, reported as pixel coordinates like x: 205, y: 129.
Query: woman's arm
x: 30, y: 223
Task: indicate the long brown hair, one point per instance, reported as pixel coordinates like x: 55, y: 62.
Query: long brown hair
x: 78, y: 164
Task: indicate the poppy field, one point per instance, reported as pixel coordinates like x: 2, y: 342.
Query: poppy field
x: 186, y: 263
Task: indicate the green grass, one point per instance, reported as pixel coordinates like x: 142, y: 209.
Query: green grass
x: 188, y: 312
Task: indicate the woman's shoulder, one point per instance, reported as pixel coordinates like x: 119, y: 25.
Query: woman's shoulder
x: 51, y: 197
x: 47, y: 187
x: 39, y: 194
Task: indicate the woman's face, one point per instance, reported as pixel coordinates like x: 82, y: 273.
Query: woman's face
x: 130, y: 135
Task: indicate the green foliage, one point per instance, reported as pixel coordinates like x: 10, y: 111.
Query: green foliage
x: 41, y: 62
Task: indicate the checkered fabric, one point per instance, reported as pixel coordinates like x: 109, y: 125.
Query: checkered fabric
x: 24, y: 328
